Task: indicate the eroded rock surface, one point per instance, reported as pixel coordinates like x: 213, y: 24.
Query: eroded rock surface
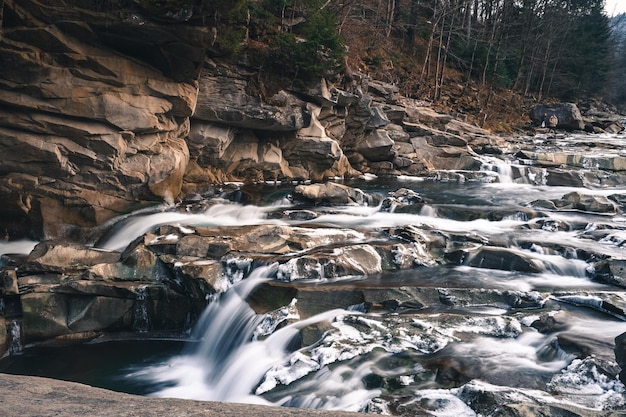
x: 95, y: 108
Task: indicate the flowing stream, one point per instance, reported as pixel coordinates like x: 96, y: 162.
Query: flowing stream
x: 531, y: 322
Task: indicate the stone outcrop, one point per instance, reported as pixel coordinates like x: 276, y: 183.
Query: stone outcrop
x: 68, y: 290
x: 95, y: 108
x: 107, y: 111
x: 160, y: 281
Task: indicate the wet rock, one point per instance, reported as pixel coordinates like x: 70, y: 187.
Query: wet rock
x: 547, y: 324
x: 406, y: 256
x: 196, y: 277
x: 52, y: 256
x: 495, y: 258
x: 596, y: 302
x: 611, y: 271
x: 377, y: 146
x: 46, y: 315
x: 620, y: 355
x: 564, y: 178
x: 67, y: 289
x: 340, y: 262
x: 593, y: 203
x: 312, y: 302
x: 329, y: 193
x: 578, y: 201
x: 510, y: 402
x: 8, y: 282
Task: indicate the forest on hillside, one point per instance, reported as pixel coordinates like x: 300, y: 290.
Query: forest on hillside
x: 538, y: 49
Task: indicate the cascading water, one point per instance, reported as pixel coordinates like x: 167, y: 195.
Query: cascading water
x: 229, y: 357
x: 216, y: 215
x: 14, y: 332
x: 141, y: 316
x: 508, y: 308
x: 232, y: 359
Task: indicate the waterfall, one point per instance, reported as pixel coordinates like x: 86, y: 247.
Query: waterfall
x: 503, y: 169
x: 229, y: 358
x: 141, y: 317
x: 14, y: 333
x: 223, y: 362
x: 19, y: 246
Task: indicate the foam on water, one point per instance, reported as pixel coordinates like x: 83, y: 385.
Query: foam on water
x: 382, y: 219
x: 216, y: 215
x: 17, y: 247
x: 238, y: 355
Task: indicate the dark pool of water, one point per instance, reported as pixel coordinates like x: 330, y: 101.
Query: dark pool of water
x: 103, y: 364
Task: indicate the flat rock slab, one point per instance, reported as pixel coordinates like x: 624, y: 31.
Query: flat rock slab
x: 27, y: 396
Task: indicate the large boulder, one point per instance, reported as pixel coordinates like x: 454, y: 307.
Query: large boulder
x: 568, y: 115
x: 329, y: 193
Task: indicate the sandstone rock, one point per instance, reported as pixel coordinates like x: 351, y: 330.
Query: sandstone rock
x: 57, y: 257
x: 407, y: 256
x: 596, y: 204
x: 427, y: 115
x: 314, y: 155
x: 384, y: 90
x: 577, y: 160
x: 329, y: 193
x: 223, y: 99
x: 47, y: 315
x: 345, y: 261
x: 8, y: 282
x: 495, y: 258
x: 446, y: 140
x: 377, y: 146
x: 611, y: 271
x: 397, y: 133
x: 76, y: 114
x: 207, y: 142
x: 378, y: 118
x: 27, y: 396
x: 578, y: 201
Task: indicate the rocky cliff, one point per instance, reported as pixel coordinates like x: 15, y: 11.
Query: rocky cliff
x: 107, y: 109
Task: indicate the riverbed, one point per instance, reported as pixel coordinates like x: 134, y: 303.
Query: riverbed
x: 512, y: 308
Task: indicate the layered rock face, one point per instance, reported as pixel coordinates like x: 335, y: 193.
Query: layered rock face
x: 106, y: 109
x: 95, y: 108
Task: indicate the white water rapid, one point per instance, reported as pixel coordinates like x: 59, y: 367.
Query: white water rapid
x: 518, y: 331
x: 448, y: 295
x: 231, y: 354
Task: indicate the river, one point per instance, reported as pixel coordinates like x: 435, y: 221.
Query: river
x: 514, y: 308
